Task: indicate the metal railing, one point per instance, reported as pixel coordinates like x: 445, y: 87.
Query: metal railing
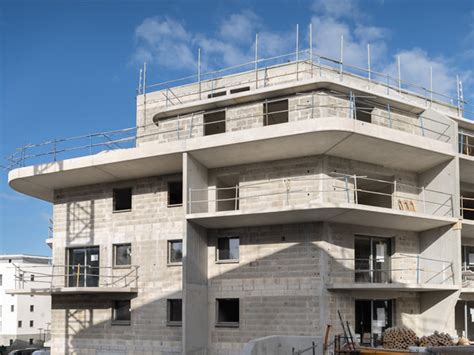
x: 405, y: 269
x: 467, y: 207
x: 57, y: 276
x: 466, y: 143
x: 338, y: 188
x: 185, y: 127
x: 255, y: 73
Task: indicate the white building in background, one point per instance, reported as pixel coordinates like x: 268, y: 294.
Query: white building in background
x: 25, y: 316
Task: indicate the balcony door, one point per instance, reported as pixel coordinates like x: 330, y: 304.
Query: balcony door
x: 372, y: 318
x: 84, y: 267
x: 372, y: 259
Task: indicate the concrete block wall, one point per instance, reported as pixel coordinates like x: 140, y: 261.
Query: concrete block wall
x: 83, y: 216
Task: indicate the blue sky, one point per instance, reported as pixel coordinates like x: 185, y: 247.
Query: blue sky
x: 71, y: 67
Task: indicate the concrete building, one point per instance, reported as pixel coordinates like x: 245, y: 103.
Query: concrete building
x: 261, y: 203
x: 24, y: 317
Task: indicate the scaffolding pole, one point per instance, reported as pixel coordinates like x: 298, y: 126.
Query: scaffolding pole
x: 341, y: 58
x: 431, y: 84
x: 399, y: 75
x: 256, y: 61
x: 199, y: 72
x: 311, y: 47
x: 297, y: 48
x: 368, y: 64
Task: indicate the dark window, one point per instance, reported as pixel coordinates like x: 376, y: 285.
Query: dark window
x: 11, y: 342
x: 32, y: 277
x: 1, y: 279
x: 228, y: 312
x: 175, y: 251
x: 32, y: 308
x: 216, y: 94
x: 31, y: 341
x: 363, y: 111
x: 121, y: 313
x: 175, y: 193
x: 12, y: 308
x: 20, y: 324
x: 228, y: 248
x: 123, y: 199
x: 32, y: 323
x: 275, y: 112
x: 235, y: 91
x: 175, y: 312
x: 84, y: 267
x: 123, y: 254
x: 214, y: 123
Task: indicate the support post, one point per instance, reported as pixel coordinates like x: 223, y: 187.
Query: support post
x: 297, y: 49
x: 311, y: 47
x: 431, y: 84
x: 389, y: 115
x: 144, y: 95
x: 140, y: 82
x: 199, y: 72
x: 341, y: 60
x: 399, y: 75
x: 368, y: 65
x: 256, y: 61
x: 356, y: 198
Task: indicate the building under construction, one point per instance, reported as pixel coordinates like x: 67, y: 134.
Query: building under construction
x: 259, y: 200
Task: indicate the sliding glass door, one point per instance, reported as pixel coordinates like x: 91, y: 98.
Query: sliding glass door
x: 84, y: 267
x: 372, y: 259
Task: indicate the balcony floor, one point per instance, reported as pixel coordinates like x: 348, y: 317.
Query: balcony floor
x: 409, y: 287
x: 74, y: 291
x: 341, y: 213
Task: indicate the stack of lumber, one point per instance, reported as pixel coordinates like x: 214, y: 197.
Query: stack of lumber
x: 399, y: 338
x: 436, y: 339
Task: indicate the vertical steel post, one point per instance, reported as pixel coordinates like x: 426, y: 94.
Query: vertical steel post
x: 199, y: 72
x: 457, y: 92
x: 399, y: 75
x: 431, y: 84
x: 144, y: 94
x: 389, y: 115
x: 355, y: 190
x: 54, y: 149
x: 256, y: 61
x: 311, y: 47
x: 368, y: 64
x: 341, y: 58
x: 465, y: 320
x: 418, y: 269
x: 140, y: 82
x: 297, y: 48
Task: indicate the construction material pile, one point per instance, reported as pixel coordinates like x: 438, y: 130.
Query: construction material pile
x: 436, y: 339
x: 399, y: 338
x: 402, y: 338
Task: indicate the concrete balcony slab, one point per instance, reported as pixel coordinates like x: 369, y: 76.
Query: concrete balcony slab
x: 341, y: 137
x: 74, y: 291
x: 467, y: 228
x: 345, y: 213
x: 466, y: 168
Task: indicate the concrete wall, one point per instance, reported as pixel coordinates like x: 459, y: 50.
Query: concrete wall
x: 84, y: 217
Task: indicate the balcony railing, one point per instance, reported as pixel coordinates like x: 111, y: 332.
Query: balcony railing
x: 316, y: 191
x: 403, y: 269
x: 191, y: 125
x: 466, y: 143
x: 467, y: 208
x: 64, y: 276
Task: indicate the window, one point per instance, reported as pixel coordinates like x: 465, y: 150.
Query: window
x: 175, y: 193
x: 216, y: 94
x: 32, y: 323
x: 228, y: 312
x: 32, y: 308
x: 363, y: 111
x: 31, y: 341
x: 175, y: 312
x: 228, y: 249
x: 235, y: 91
x: 175, y: 251
x: 372, y: 318
x: 372, y: 259
x: 121, y: 312
x: 12, y: 308
x: 123, y: 199
x: 122, y: 254
x: 214, y: 123
x: 275, y: 112
x: 20, y: 324
x: 1, y: 279
x: 84, y: 267
x: 32, y: 277
x: 11, y: 342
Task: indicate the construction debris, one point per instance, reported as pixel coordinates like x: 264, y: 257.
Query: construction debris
x: 436, y: 339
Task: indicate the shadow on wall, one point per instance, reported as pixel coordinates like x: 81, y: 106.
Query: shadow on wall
x: 280, y: 281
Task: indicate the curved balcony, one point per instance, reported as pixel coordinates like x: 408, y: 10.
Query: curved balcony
x: 339, y: 198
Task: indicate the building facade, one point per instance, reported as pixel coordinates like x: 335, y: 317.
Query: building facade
x: 24, y: 317
x: 261, y: 203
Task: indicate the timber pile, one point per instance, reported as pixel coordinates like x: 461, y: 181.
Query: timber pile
x: 436, y: 339
x: 399, y: 338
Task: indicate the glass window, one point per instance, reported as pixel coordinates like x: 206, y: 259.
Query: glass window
x: 123, y: 254
x: 121, y: 313
x: 228, y: 248
x: 32, y: 308
x: 122, y: 199
x: 175, y: 251
x: 20, y: 323
x: 175, y: 311
x: 32, y: 323
x: 1, y: 279
x: 228, y: 312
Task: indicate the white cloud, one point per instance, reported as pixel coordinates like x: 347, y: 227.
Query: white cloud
x: 241, y: 27
x: 336, y: 8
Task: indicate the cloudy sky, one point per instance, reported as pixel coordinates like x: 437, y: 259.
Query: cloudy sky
x: 71, y: 67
